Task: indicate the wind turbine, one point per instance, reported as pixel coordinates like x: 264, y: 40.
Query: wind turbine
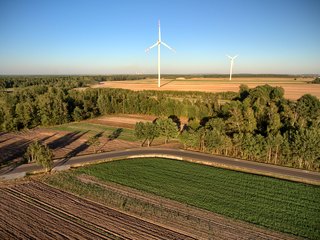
x: 231, y: 66
x: 158, y: 43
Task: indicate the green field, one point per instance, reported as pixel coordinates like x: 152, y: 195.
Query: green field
x: 93, y: 128
x: 277, y: 204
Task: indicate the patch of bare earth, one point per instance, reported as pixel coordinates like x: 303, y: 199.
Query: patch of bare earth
x: 194, y: 222
x: 124, y: 120
x: 64, y: 144
x: 36, y: 211
x: 294, y: 88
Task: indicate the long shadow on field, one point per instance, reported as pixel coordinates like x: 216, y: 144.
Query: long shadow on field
x: 115, y: 134
x: 167, y: 82
x: 77, y: 150
x: 65, y: 140
x: 2, y: 133
x: 11, y: 155
x: 13, y: 150
x: 5, y: 140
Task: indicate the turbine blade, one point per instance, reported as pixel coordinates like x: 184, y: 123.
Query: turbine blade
x: 166, y: 45
x: 159, y: 31
x: 229, y: 56
x: 235, y: 56
x: 148, y: 49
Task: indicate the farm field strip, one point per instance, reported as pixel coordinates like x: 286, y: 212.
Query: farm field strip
x: 294, y: 89
x: 200, y: 221
x: 28, y: 228
x: 277, y: 204
x: 63, y: 215
x: 94, y: 128
x: 123, y: 225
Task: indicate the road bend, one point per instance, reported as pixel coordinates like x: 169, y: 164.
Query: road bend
x: 203, y: 158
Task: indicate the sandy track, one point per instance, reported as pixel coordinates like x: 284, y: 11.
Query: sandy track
x: 95, y: 219
x: 293, y: 88
x: 200, y: 223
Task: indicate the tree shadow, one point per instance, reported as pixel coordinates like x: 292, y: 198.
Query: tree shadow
x: 65, y: 140
x: 15, y: 151
x: 115, y: 134
x: 78, y: 149
x: 74, y: 153
x: 170, y: 81
x: 204, y: 121
x: 176, y: 120
x: 5, y: 140
x: 2, y: 133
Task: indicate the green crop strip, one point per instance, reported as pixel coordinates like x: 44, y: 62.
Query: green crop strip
x: 277, y: 204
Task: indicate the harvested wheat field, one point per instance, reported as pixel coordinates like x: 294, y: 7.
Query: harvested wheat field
x: 36, y: 211
x: 294, y: 87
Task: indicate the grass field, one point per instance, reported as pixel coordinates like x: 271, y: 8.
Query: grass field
x: 93, y: 128
x: 277, y: 204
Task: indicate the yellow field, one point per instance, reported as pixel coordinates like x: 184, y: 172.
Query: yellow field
x: 294, y: 87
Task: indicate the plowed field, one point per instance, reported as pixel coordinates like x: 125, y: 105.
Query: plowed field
x: 36, y: 211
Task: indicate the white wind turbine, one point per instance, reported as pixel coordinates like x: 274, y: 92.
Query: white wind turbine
x: 158, y: 43
x: 231, y: 66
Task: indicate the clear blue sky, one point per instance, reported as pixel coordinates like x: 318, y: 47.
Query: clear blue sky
x: 110, y: 36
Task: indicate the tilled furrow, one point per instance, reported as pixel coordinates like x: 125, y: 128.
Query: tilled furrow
x: 126, y: 226
x: 58, y: 216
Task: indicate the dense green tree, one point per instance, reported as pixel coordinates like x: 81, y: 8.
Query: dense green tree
x: 146, y: 131
x: 41, y: 154
x: 167, y: 128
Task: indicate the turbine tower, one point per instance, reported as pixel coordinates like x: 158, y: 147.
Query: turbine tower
x: 231, y: 66
x: 158, y: 43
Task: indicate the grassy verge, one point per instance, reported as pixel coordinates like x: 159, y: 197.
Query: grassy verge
x: 93, y: 128
x: 277, y: 204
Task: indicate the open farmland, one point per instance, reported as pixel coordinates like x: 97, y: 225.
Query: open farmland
x: 69, y: 140
x: 36, y: 211
x: 294, y: 88
x: 276, y: 204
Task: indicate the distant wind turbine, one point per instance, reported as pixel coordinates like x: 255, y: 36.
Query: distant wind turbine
x: 231, y: 64
x: 158, y: 43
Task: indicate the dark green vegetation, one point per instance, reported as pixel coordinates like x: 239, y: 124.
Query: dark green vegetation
x: 316, y: 80
x: 255, y: 124
x: 261, y: 125
x: 40, y: 154
x: 277, y: 204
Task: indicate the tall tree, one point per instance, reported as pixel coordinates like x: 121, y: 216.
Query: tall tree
x: 167, y: 128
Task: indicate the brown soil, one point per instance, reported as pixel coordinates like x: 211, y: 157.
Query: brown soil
x: 124, y: 121
x: 194, y: 222
x: 36, y: 211
x: 127, y: 120
x: 293, y: 88
x: 63, y: 144
x: 67, y: 144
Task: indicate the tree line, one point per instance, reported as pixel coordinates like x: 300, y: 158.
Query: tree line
x: 73, y: 81
x: 258, y: 125
x: 45, y: 105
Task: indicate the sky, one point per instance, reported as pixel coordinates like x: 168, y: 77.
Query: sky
x: 110, y: 36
